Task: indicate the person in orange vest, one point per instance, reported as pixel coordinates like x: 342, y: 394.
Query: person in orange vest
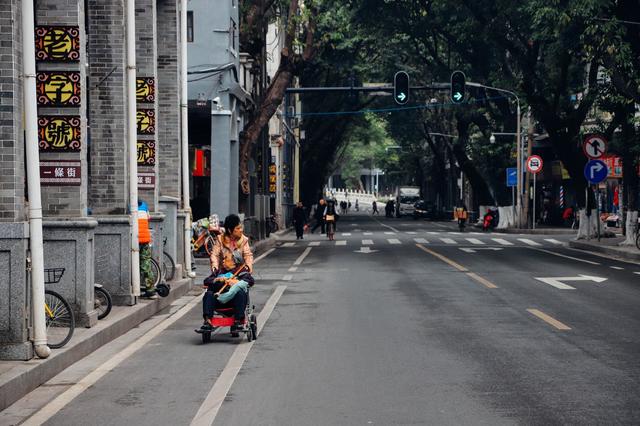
x: 144, y: 241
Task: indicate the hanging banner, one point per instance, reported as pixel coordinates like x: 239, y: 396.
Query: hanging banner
x: 58, y: 88
x: 57, y: 43
x: 273, y: 178
x: 59, y: 133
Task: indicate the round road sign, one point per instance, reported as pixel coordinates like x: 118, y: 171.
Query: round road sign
x: 594, y: 146
x: 596, y: 171
x: 534, y: 164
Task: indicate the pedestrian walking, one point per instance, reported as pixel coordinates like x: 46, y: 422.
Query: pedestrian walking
x: 144, y: 242
x: 318, y: 216
x: 299, y: 220
x: 357, y: 205
x: 374, y: 207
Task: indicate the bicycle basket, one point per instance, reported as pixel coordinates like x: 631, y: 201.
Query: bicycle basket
x: 53, y: 275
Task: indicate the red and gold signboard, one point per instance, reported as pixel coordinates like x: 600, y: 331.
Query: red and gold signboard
x: 60, y: 172
x: 145, y: 89
x: 59, y: 133
x: 58, y: 88
x: 614, y: 164
x: 146, y: 153
x: 146, y: 121
x: 273, y: 178
x: 57, y: 44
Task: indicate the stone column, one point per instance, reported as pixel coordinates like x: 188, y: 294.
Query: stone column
x: 221, y: 165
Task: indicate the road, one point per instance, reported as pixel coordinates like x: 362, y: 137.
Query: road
x: 397, y: 322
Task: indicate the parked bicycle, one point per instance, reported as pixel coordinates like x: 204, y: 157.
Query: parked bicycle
x: 272, y: 224
x: 202, y: 237
x: 59, y: 318
x: 101, y: 300
x: 168, y: 265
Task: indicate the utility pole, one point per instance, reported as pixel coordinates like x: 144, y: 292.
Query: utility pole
x: 527, y: 195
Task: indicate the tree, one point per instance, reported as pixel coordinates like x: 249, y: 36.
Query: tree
x: 291, y: 64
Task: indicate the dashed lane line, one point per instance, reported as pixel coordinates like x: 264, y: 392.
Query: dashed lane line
x: 421, y: 241
x: 314, y: 243
x: 474, y: 241
x: 341, y: 243
x: 448, y: 241
x: 300, y: 258
x: 553, y: 241
x: 346, y: 234
x: 565, y: 256
x: 617, y: 268
x: 288, y: 244
x: 549, y: 320
x: 394, y: 241
x: 367, y: 242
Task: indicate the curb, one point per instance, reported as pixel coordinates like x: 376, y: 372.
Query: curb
x: 28, y: 375
x: 612, y: 251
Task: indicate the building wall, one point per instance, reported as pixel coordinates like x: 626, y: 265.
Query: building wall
x: 108, y: 190
x: 168, y: 82
x: 12, y: 173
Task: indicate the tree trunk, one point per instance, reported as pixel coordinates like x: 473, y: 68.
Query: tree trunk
x: 588, y: 226
x: 630, y: 176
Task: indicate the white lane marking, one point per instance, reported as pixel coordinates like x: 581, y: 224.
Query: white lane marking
x: 387, y: 226
x: 476, y: 233
x: 565, y: 256
x: 53, y: 407
x: 433, y: 233
x: 617, y: 268
x: 341, y: 243
x: 209, y: 409
x: 367, y: 233
x: 288, y: 244
x: 553, y: 241
x: 293, y: 269
x: 421, y: 241
x: 346, y: 234
x: 390, y: 233
x: 557, y: 281
x: 367, y: 242
x: 411, y: 233
x: 393, y: 241
x: 502, y: 241
x: 287, y: 277
x: 263, y: 255
x: 454, y: 233
x: 637, y: 273
x: 474, y: 241
x: 529, y: 242
x: 448, y: 241
x: 300, y: 258
x: 314, y: 243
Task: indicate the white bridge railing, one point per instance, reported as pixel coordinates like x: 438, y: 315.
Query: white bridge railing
x: 340, y: 194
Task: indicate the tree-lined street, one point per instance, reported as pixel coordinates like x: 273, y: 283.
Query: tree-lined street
x: 428, y: 326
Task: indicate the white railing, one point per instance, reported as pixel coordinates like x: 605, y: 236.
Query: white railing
x: 364, y: 198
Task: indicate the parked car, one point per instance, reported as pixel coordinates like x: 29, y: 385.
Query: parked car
x: 423, y: 210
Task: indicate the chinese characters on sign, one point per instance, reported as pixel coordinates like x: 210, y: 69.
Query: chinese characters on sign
x: 146, y: 121
x: 146, y: 180
x: 60, y: 172
x: 57, y: 44
x: 146, y: 153
x: 273, y: 178
x: 59, y: 133
x: 145, y: 89
x: 58, y: 88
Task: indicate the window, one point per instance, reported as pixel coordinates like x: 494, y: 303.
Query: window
x: 190, y: 26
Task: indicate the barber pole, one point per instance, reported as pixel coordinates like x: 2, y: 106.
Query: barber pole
x: 561, y: 197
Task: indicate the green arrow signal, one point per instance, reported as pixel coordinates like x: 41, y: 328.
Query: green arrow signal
x: 402, y: 96
x: 457, y: 96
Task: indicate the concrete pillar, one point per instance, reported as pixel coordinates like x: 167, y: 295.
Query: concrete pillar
x: 221, y: 164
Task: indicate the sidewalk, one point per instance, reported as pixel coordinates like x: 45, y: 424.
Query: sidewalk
x: 608, y: 246
x: 18, y: 378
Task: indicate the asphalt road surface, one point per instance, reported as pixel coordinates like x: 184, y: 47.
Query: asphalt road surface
x: 397, y: 322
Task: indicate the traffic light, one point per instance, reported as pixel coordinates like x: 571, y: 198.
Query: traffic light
x: 401, y: 87
x: 457, y: 87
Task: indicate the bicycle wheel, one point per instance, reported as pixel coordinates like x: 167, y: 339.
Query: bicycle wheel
x: 168, y: 266
x: 208, y: 244
x: 101, y: 302
x: 59, y: 317
x: 156, y: 275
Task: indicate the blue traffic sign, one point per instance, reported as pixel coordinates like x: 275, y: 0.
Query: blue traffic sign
x: 512, y: 176
x: 595, y: 171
